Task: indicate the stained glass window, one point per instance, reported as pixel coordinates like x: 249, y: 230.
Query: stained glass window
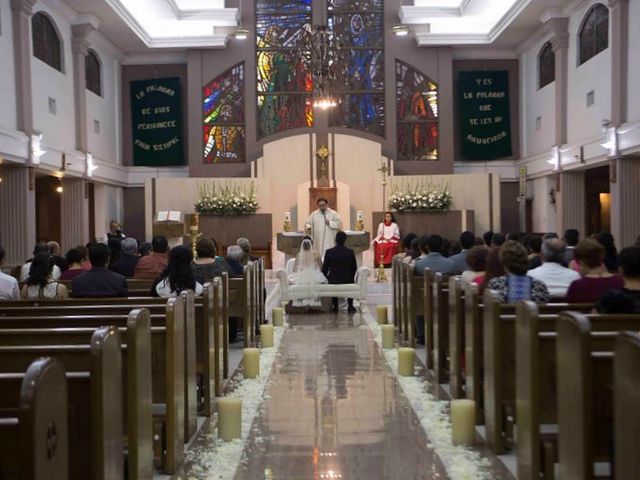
x: 417, y: 114
x: 46, y: 43
x: 358, y: 31
x: 594, y: 34
x: 284, y: 79
x: 546, y: 66
x: 92, y: 73
x: 223, y: 110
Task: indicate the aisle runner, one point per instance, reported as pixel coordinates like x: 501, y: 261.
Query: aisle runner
x: 461, y: 463
x: 219, y: 460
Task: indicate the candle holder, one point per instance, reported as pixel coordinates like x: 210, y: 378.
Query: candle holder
x: 287, y: 226
x: 359, y: 222
x: 381, y: 276
x: 193, y: 229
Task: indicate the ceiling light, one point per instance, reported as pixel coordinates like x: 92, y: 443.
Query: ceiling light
x: 400, y: 30
x: 241, y: 33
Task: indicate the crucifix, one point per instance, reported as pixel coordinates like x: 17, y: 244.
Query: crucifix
x: 383, y: 172
x: 323, y: 166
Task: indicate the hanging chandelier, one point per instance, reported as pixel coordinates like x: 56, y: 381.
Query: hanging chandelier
x: 323, y: 67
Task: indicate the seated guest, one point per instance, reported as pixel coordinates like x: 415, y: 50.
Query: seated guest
x: 8, y: 285
x: 39, y: 249
x: 84, y: 249
x: 126, y: 266
x: 477, y: 261
x: 414, y: 252
x: 627, y: 298
x: 494, y: 268
x: 516, y: 284
x: 497, y: 240
x: 208, y: 265
x: 245, y: 245
x: 486, y: 237
x: 151, y: 266
x: 610, y: 252
x: 467, y: 240
x: 40, y: 283
x: 552, y: 272
x: 99, y: 281
x: 571, y: 239
x: 74, y: 260
x: 533, y: 245
x: 115, y: 250
x: 144, y: 249
x: 596, y: 280
x: 433, y: 259
x: 178, y: 275
x: 54, y: 251
x: 234, y: 257
x: 406, y: 245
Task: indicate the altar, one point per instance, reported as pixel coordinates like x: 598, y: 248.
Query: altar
x: 289, y: 243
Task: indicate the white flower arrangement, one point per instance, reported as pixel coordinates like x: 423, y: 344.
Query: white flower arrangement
x: 420, y: 197
x: 228, y: 199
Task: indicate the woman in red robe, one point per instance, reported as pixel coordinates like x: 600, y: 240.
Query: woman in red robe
x: 385, y: 245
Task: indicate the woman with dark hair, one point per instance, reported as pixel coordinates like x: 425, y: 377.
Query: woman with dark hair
x: 178, y: 275
x: 414, y: 252
x: 477, y: 261
x: 596, y: 280
x: 493, y: 269
x: 610, y: 252
x: 208, y: 265
x: 40, y: 283
x: 516, y: 284
x: 74, y: 259
x: 385, y: 245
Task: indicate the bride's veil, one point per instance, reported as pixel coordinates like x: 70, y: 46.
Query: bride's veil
x: 306, y: 258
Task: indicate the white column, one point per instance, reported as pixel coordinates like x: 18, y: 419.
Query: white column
x: 619, y: 28
x: 21, y: 11
x: 560, y: 44
x: 17, y: 214
x: 571, y: 212
x: 74, y: 213
x: 625, y: 200
x: 80, y: 48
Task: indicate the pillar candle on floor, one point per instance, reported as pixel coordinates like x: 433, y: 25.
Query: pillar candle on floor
x: 266, y: 335
x: 229, y: 418
x: 388, y: 334
x: 463, y: 422
x: 405, y: 361
x: 381, y: 314
x: 277, y: 315
x: 251, y: 362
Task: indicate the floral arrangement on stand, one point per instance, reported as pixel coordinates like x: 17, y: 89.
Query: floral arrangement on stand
x: 227, y: 199
x: 420, y: 197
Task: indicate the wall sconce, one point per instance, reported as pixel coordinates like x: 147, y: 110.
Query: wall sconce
x: 400, y: 30
x: 59, y: 188
x: 35, y: 148
x: 611, y: 141
x: 89, y: 165
x: 555, y: 161
x: 552, y: 196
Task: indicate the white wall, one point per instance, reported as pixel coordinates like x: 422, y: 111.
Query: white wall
x: 108, y: 206
x: 634, y: 65
x: 103, y: 145
x: 585, y: 123
x: 8, y: 117
x: 47, y: 82
x: 536, y: 103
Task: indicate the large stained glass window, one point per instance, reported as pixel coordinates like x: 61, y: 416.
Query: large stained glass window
x: 417, y: 114
x: 358, y: 29
x: 284, y: 79
x: 223, y: 109
x: 594, y: 34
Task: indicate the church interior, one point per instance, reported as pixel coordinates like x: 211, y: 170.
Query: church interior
x: 319, y: 239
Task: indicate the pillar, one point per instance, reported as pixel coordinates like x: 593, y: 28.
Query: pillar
x: 21, y: 11
x: 74, y: 215
x: 625, y: 200
x: 79, y: 49
x: 560, y: 46
x: 570, y: 202
x: 619, y: 31
x: 17, y: 214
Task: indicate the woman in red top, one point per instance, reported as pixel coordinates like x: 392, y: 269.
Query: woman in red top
x: 386, y: 242
x: 596, y: 280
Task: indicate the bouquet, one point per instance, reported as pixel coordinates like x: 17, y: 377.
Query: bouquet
x: 227, y: 199
x: 420, y: 197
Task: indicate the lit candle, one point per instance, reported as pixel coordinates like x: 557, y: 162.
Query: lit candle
x: 277, y: 316
x: 251, y: 362
x: 381, y: 314
x: 266, y: 335
x: 388, y: 334
x: 463, y: 422
x: 405, y: 361
x: 229, y: 418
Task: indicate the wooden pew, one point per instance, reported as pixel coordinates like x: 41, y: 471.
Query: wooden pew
x: 440, y: 302
x: 212, y: 339
x: 413, y: 306
x: 34, y: 435
x: 240, y: 301
x: 396, y: 278
x: 456, y: 337
x: 473, y: 349
x: 626, y: 394
x: 585, y: 352
x: 94, y: 400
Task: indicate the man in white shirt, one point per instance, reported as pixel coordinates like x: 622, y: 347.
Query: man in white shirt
x: 322, y: 225
x: 38, y: 249
x: 552, y: 273
x: 8, y: 285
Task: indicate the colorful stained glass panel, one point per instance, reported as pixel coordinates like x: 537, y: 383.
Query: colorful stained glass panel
x: 357, y: 5
x: 277, y: 113
x: 224, y: 144
x: 358, y: 29
x: 418, y: 141
x: 362, y: 111
x: 283, y: 71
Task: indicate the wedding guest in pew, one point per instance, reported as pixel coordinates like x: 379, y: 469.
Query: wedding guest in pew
x: 571, y: 239
x: 59, y: 260
x: 74, y: 259
x: 486, y: 237
x: 40, y: 283
x: 596, y: 280
x: 9, y: 289
x: 208, y: 265
x: 516, y: 284
x: 498, y: 239
x: 84, y: 249
x: 467, y: 241
x: 610, y: 252
x: 627, y: 298
x: 406, y: 245
x: 414, y: 252
x: 245, y: 245
x: 39, y: 249
x: 552, y: 272
x: 494, y: 268
x: 151, y: 266
x: 126, y: 265
x: 115, y: 250
x: 533, y: 243
x: 431, y: 248
x: 477, y: 261
x: 234, y: 254
x: 144, y: 249
x: 99, y: 281
x: 178, y: 275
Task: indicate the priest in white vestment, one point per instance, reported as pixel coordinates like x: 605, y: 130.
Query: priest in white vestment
x: 322, y: 225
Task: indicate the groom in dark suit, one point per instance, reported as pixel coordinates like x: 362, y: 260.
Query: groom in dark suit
x: 340, y: 267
